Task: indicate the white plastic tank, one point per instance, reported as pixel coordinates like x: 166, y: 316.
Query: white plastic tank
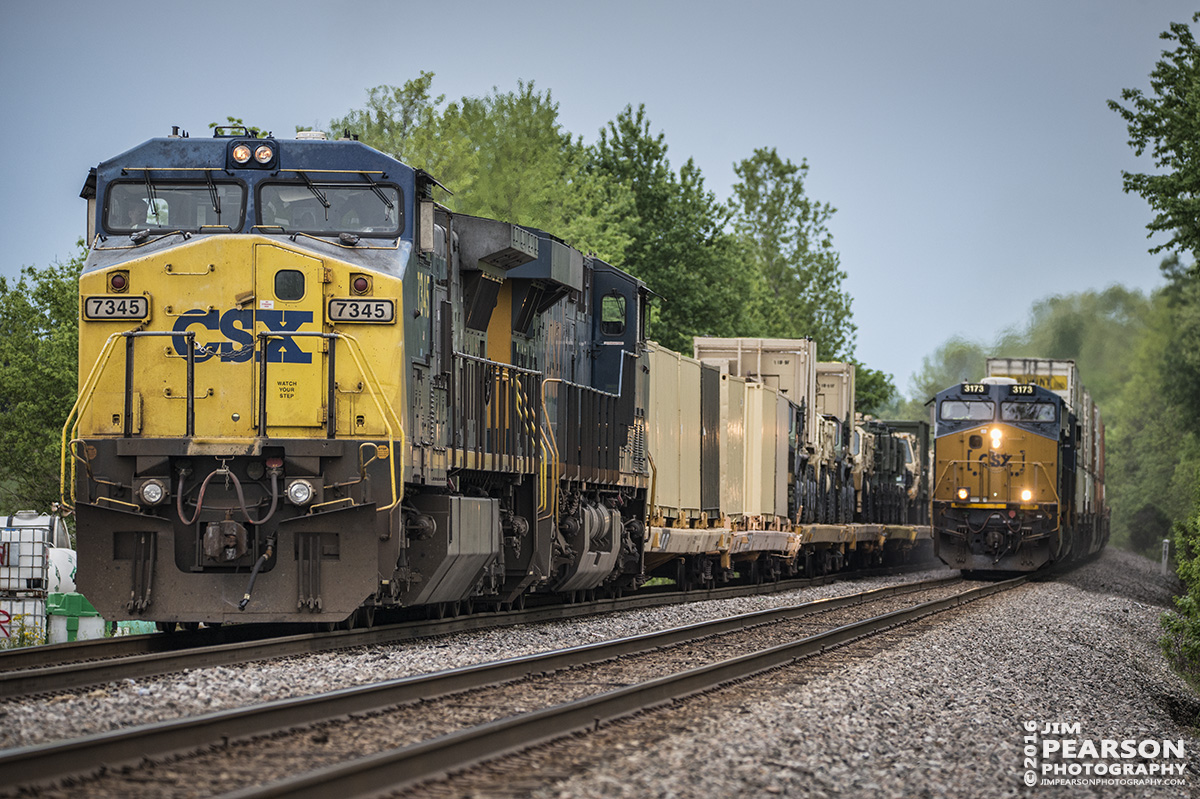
x: 61, y: 576
x: 26, y: 539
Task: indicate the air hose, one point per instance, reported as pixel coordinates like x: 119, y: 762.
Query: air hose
x: 258, y: 564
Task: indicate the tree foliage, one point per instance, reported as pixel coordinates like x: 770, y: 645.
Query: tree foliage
x: 1166, y: 122
x: 504, y: 156
x: 760, y: 265
x: 39, y: 352
x: 1159, y: 429
x: 678, y: 242
x: 785, y: 234
x: 874, y: 391
x: 391, y: 115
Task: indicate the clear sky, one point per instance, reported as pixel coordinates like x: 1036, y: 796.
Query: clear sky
x: 966, y: 144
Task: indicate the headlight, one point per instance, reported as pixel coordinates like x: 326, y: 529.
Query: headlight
x: 263, y: 154
x: 1026, y: 495
x: 996, y: 436
x: 300, y: 492
x: 241, y: 153
x: 152, y: 492
x: 963, y: 493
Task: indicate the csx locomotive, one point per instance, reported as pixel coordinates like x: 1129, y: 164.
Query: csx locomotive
x: 308, y: 391
x: 1019, y: 469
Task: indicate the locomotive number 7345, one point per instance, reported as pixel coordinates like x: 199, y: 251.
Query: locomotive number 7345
x: 355, y: 310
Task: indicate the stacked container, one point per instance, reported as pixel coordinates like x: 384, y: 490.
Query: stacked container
x: 26, y: 543
x: 1062, y: 377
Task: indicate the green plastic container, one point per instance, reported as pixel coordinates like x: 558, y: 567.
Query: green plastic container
x: 72, y: 618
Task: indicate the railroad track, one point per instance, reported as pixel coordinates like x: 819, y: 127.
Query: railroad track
x: 488, y: 710
x: 60, y: 667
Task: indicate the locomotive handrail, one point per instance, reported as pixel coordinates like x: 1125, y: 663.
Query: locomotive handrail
x: 83, y: 399
x: 550, y: 445
x: 374, y: 387
x: 960, y: 462
x: 88, y: 389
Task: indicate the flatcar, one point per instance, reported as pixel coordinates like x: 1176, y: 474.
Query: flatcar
x: 309, y: 391
x: 1018, y: 476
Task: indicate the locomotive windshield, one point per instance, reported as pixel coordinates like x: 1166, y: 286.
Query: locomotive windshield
x: 153, y: 205
x: 1027, y: 411
x: 324, y: 208
x: 967, y: 411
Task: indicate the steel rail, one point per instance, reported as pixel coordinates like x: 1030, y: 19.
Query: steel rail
x: 406, y: 766
x: 47, y: 762
x: 39, y: 669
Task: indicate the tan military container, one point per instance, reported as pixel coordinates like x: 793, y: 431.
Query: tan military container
x: 673, y: 424
x: 835, y: 389
x: 762, y: 454
x: 787, y: 365
x: 733, y: 445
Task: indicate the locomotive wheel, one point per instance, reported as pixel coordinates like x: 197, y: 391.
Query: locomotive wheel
x: 190, y: 626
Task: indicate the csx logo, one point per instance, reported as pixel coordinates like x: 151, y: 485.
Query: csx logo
x: 237, y: 325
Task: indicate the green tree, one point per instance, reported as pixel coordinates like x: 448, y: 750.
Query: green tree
x: 785, y: 233
x: 958, y: 360
x: 503, y: 156
x: 1099, y: 330
x: 391, y: 116
x: 39, y: 353
x: 1167, y: 123
x: 874, y: 391
x: 678, y: 239
x: 1152, y: 452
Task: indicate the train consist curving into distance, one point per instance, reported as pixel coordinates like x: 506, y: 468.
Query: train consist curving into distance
x: 1019, y: 469
x: 308, y: 391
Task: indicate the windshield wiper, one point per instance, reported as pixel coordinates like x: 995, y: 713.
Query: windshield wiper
x: 151, y: 199
x: 378, y: 192
x: 212, y: 193
x: 316, y: 192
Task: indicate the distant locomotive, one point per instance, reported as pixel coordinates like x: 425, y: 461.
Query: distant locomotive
x: 308, y: 391
x: 1019, y: 469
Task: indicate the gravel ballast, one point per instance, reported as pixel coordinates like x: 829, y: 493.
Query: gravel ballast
x: 120, y: 705
x: 940, y: 714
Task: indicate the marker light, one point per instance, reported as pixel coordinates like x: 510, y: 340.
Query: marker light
x: 963, y: 493
x: 241, y: 153
x: 263, y: 154
x: 1026, y: 495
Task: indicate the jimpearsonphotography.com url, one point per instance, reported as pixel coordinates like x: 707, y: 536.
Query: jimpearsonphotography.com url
x: 1057, y: 753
